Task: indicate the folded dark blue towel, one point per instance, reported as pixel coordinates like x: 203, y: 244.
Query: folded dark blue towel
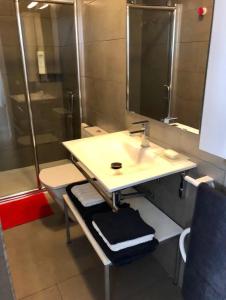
x: 124, y: 256
x: 205, y: 269
x: 118, y: 258
x: 124, y: 225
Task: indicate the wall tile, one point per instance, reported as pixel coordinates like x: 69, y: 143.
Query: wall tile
x: 191, y: 62
x: 65, y: 26
x: 105, y: 99
x: 12, y: 59
x: 8, y: 31
x: 106, y: 60
x: 190, y: 86
x: 193, y: 56
x: 68, y: 60
x: 189, y: 111
x: 104, y: 20
x: 194, y: 28
x: 194, y: 4
x: 7, y: 8
x: 189, y: 143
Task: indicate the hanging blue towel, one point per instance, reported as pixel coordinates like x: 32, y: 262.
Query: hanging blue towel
x: 205, y: 270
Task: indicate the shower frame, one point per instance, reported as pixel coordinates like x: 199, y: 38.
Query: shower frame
x: 27, y: 89
x: 172, y: 54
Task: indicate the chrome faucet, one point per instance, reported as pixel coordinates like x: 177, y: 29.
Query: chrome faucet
x: 169, y: 120
x: 144, y: 130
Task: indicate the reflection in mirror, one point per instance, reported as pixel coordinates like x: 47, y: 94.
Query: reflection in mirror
x: 167, y: 48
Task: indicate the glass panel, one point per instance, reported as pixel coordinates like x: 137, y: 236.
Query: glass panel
x: 49, y: 40
x: 149, y: 61
x: 17, y: 172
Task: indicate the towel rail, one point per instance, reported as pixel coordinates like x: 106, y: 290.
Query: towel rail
x: 198, y: 181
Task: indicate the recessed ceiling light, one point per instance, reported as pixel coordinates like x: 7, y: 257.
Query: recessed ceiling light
x: 32, y: 4
x: 44, y: 6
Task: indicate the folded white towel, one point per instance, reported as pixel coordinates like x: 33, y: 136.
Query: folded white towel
x: 126, y: 244
x: 87, y: 195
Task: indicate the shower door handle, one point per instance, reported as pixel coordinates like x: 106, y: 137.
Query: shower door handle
x: 71, y: 97
x: 168, y: 91
x: 168, y: 119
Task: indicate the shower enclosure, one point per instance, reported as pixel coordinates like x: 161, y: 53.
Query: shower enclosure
x: 39, y: 89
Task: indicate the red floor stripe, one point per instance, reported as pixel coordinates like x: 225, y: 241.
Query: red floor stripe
x: 24, y: 210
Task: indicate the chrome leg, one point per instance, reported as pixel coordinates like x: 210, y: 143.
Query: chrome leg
x: 177, y: 266
x: 67, y: 223
x: 107, y: 282
x: 116, y: 197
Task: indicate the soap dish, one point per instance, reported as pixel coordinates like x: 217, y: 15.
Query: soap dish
x: 171, y: 154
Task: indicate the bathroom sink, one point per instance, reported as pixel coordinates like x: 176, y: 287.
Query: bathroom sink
x: 138, y: 164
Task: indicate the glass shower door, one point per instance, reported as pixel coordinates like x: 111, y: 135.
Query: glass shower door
x: 17, y: 171
x: 39, y: 93
x: 50, y: 50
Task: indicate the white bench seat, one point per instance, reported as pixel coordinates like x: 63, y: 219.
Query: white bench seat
x: 165, y: 228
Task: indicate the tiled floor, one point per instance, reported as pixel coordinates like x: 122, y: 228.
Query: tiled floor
x: 43, y: 267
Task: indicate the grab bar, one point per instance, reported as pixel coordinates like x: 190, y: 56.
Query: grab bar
x: 181, y: 243
x: 198, y: 181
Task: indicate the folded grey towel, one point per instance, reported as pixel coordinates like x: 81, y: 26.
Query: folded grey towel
x: 87, y: 194
x: 205, y: 270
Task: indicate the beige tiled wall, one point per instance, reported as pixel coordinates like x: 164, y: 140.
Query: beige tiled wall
x: 192, y: 49
x: 104, y: 62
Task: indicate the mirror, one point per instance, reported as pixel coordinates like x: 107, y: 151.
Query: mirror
x: 167, y: 50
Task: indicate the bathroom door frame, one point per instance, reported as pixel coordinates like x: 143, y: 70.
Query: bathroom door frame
x: 27, y: 89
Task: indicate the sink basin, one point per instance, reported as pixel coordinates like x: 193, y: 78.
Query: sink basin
x: 138, y: 164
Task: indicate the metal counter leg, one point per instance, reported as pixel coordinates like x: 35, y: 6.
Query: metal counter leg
x: 67, y: 223
x: 107, y: 282
x: 116, y: 197
x: 177, y: 266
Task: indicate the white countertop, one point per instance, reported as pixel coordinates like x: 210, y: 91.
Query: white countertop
x: 139, y: 165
